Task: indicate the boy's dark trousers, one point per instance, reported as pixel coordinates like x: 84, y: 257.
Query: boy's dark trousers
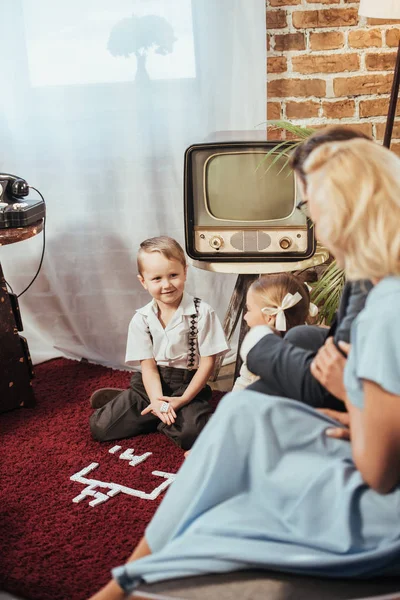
x: 121, y: 418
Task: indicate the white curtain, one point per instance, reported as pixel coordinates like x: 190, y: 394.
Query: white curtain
x: 99, y: 100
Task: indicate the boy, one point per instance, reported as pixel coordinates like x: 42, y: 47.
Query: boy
x: 172, y: 343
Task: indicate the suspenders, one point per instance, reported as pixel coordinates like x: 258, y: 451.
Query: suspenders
x: 193, y: 331
x: 192, y: 338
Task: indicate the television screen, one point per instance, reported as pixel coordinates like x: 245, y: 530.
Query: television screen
x: 248, y: 186
x: 240, y: 199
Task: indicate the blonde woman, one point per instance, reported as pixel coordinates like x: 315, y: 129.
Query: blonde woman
x: 264, y: 486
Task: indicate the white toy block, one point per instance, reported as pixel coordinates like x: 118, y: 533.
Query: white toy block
x: 99, y: 499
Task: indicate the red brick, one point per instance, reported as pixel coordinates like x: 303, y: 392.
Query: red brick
x: 276, y: 19
x: 365, y: 38
x: 281, y: 88
x: 339, y: 109
x: 274, y: 111
x: 290, y: 41
x: 284, y: 2
x: 332, y: 17
x: 380, y: 130
x: 395, y: 147
x: 380, y: 62
x: 363, y: 84
x: 276, y: 64
x: 382, y: 21
x: 302, y: 110
x: 365, y: 128
x: 326, y: 63
x: 376, y: 108
x: 392, y: 37
x: 274, y: 133
x: 326, y: 40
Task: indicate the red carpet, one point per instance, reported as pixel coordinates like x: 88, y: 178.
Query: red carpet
x: 52, y: 548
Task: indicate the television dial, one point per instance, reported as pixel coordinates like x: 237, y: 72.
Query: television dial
x: 216, y: 242
x: 285, y: 243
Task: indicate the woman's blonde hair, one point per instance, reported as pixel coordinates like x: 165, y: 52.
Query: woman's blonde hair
x: 356, y: 186
x: 163, y: 244
x: 271, y: 289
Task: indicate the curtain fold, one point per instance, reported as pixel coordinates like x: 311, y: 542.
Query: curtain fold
x: 99, y: 102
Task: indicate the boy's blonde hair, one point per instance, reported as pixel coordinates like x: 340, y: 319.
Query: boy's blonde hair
x: 271, y: 289
x: 356, y: 186
x: 163, y: 244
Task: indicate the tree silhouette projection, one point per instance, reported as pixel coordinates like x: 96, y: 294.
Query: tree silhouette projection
x: 138, y: 35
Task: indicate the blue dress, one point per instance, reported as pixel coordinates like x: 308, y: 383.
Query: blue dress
x: 264, y: 487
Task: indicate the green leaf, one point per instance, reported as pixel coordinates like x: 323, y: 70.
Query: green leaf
x: 326, y: 292
x: 298, y: 130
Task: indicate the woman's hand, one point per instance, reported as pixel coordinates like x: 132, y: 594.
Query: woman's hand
x: 341, y: 433
x: 328, y: 368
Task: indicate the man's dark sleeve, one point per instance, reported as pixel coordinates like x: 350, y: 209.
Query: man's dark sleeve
x: 358, y: 293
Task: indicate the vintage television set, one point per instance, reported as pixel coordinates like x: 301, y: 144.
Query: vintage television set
x: 240, y: 202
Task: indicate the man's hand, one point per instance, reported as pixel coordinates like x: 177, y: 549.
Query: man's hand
x: 154, y: 407
x: 328, y: 367
x: 343, y: 418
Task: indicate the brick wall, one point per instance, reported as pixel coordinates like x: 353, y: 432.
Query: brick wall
x: 327, y: 65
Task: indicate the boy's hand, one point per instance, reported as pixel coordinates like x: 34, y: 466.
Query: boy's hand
x: 155, y: 408
x: 176, y: 402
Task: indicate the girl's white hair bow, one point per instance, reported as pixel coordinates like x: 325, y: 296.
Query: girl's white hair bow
x: 313, y: 308
x: 288, y: 301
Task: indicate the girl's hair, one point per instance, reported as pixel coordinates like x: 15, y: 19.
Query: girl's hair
x: 271, y: 289
x: 163, y: 244
x: 356, y: 186
x: 333, y: 133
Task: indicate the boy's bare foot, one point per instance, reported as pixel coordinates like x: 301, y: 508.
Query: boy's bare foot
x: 102, y: 396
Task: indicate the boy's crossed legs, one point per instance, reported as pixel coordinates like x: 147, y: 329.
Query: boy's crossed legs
x: 121, y: 416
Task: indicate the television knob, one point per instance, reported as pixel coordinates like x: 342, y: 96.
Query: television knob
x: 216, y: 242
x: 285, y: 243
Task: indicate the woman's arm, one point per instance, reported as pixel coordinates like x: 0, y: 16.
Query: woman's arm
x: 375, y: 434
x: 375, y: 429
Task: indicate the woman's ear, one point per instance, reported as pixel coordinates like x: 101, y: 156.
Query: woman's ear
x: 142, y: 281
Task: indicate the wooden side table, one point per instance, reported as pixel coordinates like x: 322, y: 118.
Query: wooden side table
x: 247, y: 273
x: 15, y: 375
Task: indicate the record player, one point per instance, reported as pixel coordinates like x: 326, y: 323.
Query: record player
x: 15, y: 209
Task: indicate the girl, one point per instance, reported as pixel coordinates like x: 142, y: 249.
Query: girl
x: 281, y: 301
x: 275, y: 492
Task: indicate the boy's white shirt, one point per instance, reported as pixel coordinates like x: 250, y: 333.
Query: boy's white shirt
x: 169, y: 346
